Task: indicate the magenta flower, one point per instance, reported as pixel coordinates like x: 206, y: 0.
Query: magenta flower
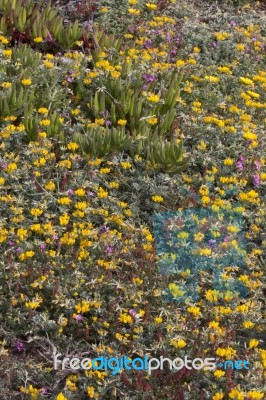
x: 256, y: 180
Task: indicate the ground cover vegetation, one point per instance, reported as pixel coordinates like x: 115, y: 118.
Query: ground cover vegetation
x: 111, y: 113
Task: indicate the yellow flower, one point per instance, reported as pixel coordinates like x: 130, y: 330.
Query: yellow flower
x: 104, y: 10
x: 126, y: 165
x: 102, y: 193
x: 253, y: 343
x: 152, y: 120
x: 225, y: 70
x: 158, y: 320
x: 196, y: 50
x: 60, y: 396
x: 38, y: 39
x: 112, y: 185
x: 115, y: 74
x: 3, y: 40
x: 198, y: 237
x: 64, y: 219
x: 218, y: 396
x: 76, y: 111
x: 180, y: 63
x: 194, y: 310
x: 210, y: 78
x: 43, y: 110
x: 11, y: 167
x: 91, y: 392
x: 64, y: 163
x: 2, y: 181
x: 64, y: 201
x: 36, y: 212
x: 225, y: 352
x: 48, y: 64
x: 157, y: 199
x: 255, y: 395
x: 240, y: 46
x: 222, y: 35
x: 72, y: 146
x: 153, y: 98
x: 45, y: 122
x: 218, y: 373
x: 133, y: 11
x: 7, y: 53
x: 6, y: 85
x: 26, y: 82
x: 99, y: 121
x: 246, y: 81
x: 178, y: 344
x: 121, y: 122
x: 236, y: 395
x: 202, y: 146
x: 80, y: 192
x: 49, y: 186
x: 183, y: 235
x: 151, y: 6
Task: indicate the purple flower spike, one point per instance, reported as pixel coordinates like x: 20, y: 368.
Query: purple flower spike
x: 257, y: 164
x: 256, y: 180
x: 20, y: 345
x: 109, y: 250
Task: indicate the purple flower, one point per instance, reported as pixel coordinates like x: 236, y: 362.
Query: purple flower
x: 11, y: 243
x: 257, y: 164
x: 43, y: 390
x: 132, y: 312
x: 109, y: 250
x: 20, y: 345
x: 79, y: 317
x: 55, y: 237
x: 232, y: 23
x: 108, y: 122
x: 104, y: 229
x: 240, y: 163
x: 19, y: 249
x: 70, y: 192
x: 4, y: 165
x: 256, y: 180
x: 43, y: 246
x: 212, y: 242
x: 225, y: 239
x: 214, y: 44
x: 239, y: 166
x: 168, y: 37
x: 91, y: 194
x: 148, y: 77
x: 147, y: 44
